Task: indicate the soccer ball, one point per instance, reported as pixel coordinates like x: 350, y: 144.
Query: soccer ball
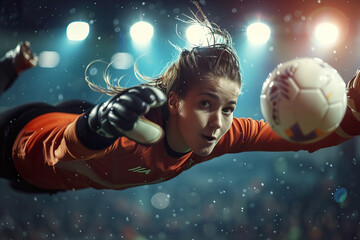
x: 303, y: 100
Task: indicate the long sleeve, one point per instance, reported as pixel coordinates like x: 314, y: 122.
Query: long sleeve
x: 45, y: 143
x: 52, y: 136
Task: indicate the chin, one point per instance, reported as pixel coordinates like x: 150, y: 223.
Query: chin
x: 204, y: 152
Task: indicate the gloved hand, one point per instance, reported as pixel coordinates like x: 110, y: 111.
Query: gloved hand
x: 22, y: 57
x: 15, y: 62
x: 122, y: 115
x: 354, y: 92
x: 349, y: 126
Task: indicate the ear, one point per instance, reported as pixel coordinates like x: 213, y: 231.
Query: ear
x: 173, y: 103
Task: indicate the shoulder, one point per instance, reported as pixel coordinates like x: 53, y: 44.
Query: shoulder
x: 242, y: 125
x: 241, y: 132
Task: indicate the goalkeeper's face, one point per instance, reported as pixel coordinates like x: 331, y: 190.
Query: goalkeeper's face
x: 205, y: 114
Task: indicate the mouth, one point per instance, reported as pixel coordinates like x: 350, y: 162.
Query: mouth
x: 209, y: 139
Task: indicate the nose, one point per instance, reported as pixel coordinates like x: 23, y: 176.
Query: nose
x: 215, y: 120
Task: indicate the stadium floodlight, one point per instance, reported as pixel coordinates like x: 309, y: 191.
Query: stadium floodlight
x: 77, y: 31
x: 258, y: 33
x: 197, y: 35
x: 201, y: 35
x: 141, y: 32
x: 326, y: 33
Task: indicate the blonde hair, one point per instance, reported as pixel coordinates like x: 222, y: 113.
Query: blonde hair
x: 218, y: 58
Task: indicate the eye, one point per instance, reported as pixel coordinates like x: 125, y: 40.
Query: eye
x: 205, y: 104
x: 228, y: 110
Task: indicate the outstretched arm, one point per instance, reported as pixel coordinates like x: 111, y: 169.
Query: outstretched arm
x: 15, y: 62
x: 253, y: 135
x: 122, y: 115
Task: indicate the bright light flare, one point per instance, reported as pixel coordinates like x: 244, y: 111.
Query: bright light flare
x: 48, y: 59
x: 199, y: 35
x: 258, y: 33
x: 141, y: 32
x: 327, y: 27
x: 326, y: 33
x: 195, y: 34
x: 77, y: 31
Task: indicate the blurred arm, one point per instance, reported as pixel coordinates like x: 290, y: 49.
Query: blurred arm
x: 15, y: 62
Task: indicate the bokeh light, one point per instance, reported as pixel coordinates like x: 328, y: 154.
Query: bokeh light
x: 160, y: 200
x: 48, y: 59
x: 122, y: 60
x: 340, y: 195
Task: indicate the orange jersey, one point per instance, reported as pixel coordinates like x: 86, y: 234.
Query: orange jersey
x: 48, y: 154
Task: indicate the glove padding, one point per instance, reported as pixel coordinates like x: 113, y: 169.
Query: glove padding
x: 354, y: 92
x: 122, y: 115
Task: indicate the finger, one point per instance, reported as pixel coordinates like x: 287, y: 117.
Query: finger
x: 356, y: 83
x: 125, y: 112
x: 160, y: 96
x: 119, y: 123
x: 151, y: 95
x: 33, y: 61
x: 143, y: 93
x: 27, y: 52
x: 145, y: 132
x: 133, y: 102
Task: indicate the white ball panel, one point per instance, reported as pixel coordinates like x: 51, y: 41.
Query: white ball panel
x: 333, y: 117
x: 287, y: 114
x: 266, y: 107
x: 335, y: 90
x: 310, y: 74
x: 310, y: 107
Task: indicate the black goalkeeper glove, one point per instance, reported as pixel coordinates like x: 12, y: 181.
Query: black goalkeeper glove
x: 122, y: 115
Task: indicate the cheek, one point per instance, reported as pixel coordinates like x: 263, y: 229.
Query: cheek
x: 190, y: 118
x: 227, y: 125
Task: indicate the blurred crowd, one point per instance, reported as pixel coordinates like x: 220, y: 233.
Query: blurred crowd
x: 250, y: 196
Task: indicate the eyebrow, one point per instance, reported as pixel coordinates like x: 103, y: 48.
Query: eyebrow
x: 215, y: 97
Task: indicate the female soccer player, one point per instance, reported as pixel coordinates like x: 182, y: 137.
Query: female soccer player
x: 146, y: 134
